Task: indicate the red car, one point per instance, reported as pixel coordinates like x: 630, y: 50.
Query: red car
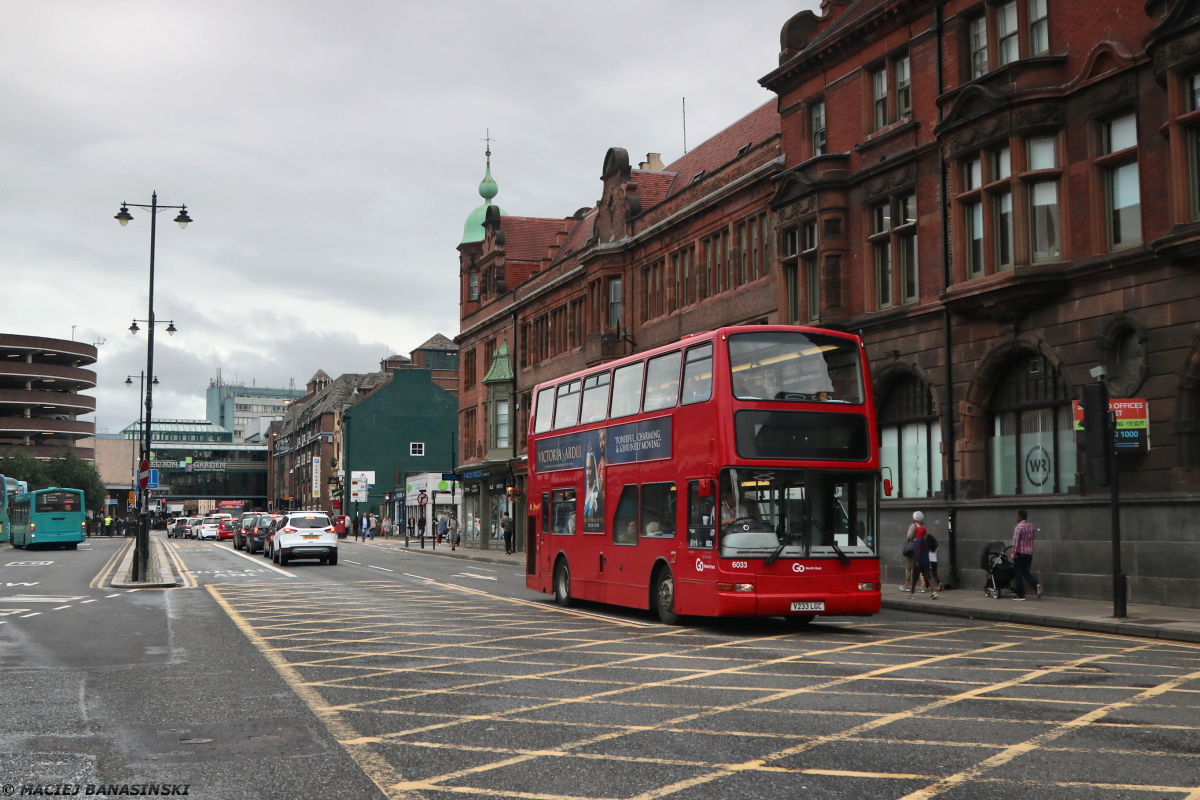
x: 227, y: 528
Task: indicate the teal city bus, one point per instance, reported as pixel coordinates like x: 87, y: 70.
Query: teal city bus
x: 9, y: 488
x: 48, y: 516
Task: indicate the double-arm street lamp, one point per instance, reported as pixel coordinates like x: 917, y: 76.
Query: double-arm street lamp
x: 142, y: 556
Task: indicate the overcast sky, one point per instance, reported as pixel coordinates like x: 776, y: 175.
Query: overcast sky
x: 329, y: 154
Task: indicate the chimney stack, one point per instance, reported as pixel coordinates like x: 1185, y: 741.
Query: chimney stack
x: 652, y: 163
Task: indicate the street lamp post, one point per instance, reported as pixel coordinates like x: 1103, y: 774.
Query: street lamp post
x: 141, y: 376
x: 142, y: 555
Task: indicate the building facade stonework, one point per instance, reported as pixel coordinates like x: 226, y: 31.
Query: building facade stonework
x: 999, y: 197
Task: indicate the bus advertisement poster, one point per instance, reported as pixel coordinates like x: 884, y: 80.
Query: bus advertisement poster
x: 592, y: 451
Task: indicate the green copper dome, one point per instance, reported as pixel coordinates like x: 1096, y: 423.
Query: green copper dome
x: 473, y: 230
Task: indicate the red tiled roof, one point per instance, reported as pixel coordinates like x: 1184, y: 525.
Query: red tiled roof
x: 517, y: 272
x: 653, y: 187
x: 583, y: 231
x: 527, y: 238
x: 753, y: 129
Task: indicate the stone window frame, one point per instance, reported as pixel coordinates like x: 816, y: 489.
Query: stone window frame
x: 890, y: 241
x: 1004, y: 169
x: 1116, y: 333
x: 917, y: 408
x: 1106, y: 162
x: 799, y: 263
x: 1031, y: 32
x: 818, y: 126
x: 889, y: 91
x: 1047, y: 392
x: 654, y: 288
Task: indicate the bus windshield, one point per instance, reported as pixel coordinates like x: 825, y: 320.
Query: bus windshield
x: 796, y: 513
x: 57, y: 502
x: 795, y: 366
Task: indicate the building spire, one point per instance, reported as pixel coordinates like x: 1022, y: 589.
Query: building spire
x: 488, y: 188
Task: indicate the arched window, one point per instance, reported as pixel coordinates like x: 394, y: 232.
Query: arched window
x: 1032, y: 446
x: 911, y: 439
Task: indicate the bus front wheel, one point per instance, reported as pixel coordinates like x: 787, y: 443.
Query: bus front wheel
x: 562, y: 584
x: 664, y: 597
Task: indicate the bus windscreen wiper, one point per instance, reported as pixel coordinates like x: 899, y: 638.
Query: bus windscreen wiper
x: 842, y: 557
x: 787, y: 539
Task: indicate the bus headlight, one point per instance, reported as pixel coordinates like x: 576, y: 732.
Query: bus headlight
x: 743, y: 587
x: 866, y: 587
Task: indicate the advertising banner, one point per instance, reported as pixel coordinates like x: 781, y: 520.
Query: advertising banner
x: 592, y: 451
x: 1133, y: 424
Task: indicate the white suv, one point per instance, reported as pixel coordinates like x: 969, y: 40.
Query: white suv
x: 303, y: 534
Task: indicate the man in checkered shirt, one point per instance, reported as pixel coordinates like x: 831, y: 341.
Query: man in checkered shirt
x: 1022, y: 552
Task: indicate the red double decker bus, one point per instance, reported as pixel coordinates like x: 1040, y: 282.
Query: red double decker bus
x: 735, y: 472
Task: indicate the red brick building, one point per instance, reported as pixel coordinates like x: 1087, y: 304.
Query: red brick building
x: 1000, y: 197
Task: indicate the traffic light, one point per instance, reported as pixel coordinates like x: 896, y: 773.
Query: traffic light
x: 1097, y: 433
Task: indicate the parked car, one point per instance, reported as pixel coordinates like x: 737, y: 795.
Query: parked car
x: 257, y: 534
x: 302, y: 534
x: 227, y: 527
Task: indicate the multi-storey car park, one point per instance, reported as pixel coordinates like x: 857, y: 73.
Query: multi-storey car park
x: 40, y: 401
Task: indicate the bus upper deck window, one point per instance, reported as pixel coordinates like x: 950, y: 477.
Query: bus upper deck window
x: 545, y: 410
x: 662, y: 381
x: 595, y: 398
x: 697, y: 375
x: 566, y: 408
x: 627, y: 390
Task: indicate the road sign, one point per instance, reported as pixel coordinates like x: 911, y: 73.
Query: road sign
x: 449, y: 476
x: 423, y: 499
x: 144, y: 473
x: 153, y: 484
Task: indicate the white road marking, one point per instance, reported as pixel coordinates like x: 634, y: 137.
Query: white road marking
x: 34, y: 614
x: 372, y: 566
x: 268, y: 565
x: 12, y: 611
x: 111, y: 596
x: 29, y: 563
x: 348, y: 561
x: 39, y: 598
x: 60, y: 608
x: 418, y: 577
x: 473, y: 575
x: 88, y: 601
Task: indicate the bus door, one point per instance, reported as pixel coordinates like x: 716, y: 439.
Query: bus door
x: 698, y: 568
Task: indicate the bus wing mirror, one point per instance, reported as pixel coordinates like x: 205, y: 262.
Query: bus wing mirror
x: 706, y: 488
x: 887, y: 487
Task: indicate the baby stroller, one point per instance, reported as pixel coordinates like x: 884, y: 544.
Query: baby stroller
x: 999, y: 568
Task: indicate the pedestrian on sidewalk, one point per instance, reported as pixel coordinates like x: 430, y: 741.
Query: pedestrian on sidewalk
x: 386, y: 527
x: 443, y: 528
x: 371, y: 525
x: 921, y: 557
x: 452, y: 530
x: 412, y: 524
x: 506, y: 528
x: 933, y: 560
x: 910, y: 573
x: 1022, y: 553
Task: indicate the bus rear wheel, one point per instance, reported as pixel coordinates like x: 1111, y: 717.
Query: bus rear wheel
x: 562, y: 584
x: 664, y: 597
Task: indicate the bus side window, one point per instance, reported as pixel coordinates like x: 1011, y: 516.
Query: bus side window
x: 625, y: 520
x: 697, y: 375
x: 658, y: 510
x: 545, y: 410
x: 566, y: 411
x: 627, y: 390
x: 545, y: 512
x: 701, y: 530
x: 662, y: 381
x: 595, y: 398
x: 563, y: 512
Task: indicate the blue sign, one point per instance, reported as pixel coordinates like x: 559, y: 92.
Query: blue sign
x: 153, y: 484
x: 473, y: 474
x: 449, y: 476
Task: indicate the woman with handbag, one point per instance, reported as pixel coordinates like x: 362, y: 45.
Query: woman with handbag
x: 909, y: 547
x: 920, y: 557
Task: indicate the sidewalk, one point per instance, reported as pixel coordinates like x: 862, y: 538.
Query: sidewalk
x: 1155, y: 622
x: 469, y: 553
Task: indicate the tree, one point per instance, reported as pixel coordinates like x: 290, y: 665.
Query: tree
x: 68, y: 472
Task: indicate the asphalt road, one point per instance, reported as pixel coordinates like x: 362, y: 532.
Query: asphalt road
x: 407, y: 674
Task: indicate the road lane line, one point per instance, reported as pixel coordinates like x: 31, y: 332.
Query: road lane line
x: 372, y: 566
x: 34, y: 614
x: 373, y: 765
x: 110, y: 566
x: 60, y: 608
x: 348, y: 561
x: 418, y: 577
x: 267, y: 564
x: 176, y: 558
x: 88, y: 601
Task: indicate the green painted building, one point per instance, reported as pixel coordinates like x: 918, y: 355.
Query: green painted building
x: 408, y: 424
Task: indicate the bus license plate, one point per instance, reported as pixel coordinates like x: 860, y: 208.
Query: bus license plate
x: 808, y: 606
x: 311, y: 536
